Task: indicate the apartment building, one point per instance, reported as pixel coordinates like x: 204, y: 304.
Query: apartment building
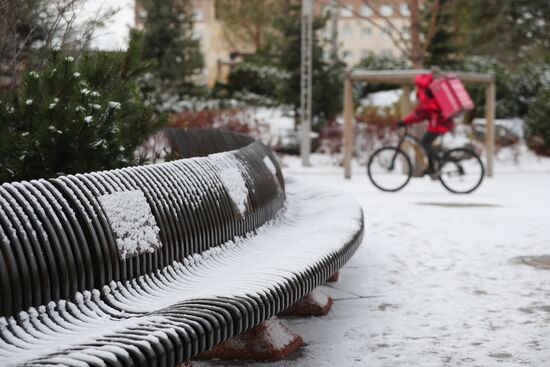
x: 362, y: 30
x: 215, y: 46
x: 366, y: 27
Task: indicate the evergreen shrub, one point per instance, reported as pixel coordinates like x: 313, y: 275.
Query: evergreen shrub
x: 76, y: 116
x: 538, y: 124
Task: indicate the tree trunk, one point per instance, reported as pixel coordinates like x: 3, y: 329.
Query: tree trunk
x: 416, y: 47
x: 12, y: 15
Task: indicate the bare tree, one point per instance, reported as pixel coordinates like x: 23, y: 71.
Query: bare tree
x: 29, y: 27
x: 247, y: 22
x: 415, y: 43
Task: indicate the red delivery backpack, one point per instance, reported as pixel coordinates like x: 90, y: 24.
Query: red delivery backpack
x: 451, y: 96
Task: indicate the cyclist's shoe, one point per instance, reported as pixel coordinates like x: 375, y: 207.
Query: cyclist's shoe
x: 434, y: 173
x: 428, y: 172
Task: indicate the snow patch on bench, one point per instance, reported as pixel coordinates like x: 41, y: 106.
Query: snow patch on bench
x: 132, y: 222
x: 269, y: 164
x: 236, y: 187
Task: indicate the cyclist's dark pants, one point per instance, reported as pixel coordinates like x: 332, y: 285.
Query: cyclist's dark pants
x: 426, y: 142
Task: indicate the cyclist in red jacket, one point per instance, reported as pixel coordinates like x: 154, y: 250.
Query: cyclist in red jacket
x: 427, y: 109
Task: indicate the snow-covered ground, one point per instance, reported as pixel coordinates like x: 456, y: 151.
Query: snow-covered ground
x: 437, y: 281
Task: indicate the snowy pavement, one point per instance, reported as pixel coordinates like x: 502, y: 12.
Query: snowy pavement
x: 437, y: 281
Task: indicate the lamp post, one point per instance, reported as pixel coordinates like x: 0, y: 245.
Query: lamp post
x: 305, y: 83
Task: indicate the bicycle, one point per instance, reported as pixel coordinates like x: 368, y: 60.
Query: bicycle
x: 460, y: 170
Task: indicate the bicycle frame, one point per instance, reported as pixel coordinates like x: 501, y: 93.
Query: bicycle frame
x: 404, y: 136
x: 442, y: 166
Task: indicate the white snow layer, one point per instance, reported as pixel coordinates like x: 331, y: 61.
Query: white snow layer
x: 230, y: 170
x: 437, y: 281
x: 383, y: 98
x: 312, y: 227
x: 269, y: 164
x: 236, y: 187
x: 132, y: 222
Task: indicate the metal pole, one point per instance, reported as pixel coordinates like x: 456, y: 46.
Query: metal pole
x: 305, y: 85
x: 348, y: 126
x: 490, y: 126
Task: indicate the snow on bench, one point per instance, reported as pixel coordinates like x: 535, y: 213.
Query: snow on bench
x: 216, y: 256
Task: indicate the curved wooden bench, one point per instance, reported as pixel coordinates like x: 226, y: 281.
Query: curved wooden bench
x: 237, y: 246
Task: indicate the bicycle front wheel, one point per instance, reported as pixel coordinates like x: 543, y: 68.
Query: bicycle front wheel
x: 389, y: 169
x: 461, y: 171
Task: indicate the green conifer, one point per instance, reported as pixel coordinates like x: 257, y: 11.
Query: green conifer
x: 171, y: 41
x: 76, y: 116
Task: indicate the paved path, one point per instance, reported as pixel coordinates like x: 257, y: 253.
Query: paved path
x: 437, y: 281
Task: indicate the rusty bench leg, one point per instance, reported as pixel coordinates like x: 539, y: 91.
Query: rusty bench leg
x: 272, y: 340
x: 334, y: 278
x: 316, y: 303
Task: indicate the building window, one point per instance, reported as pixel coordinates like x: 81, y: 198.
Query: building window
x: 366, y: 31
x: 347, y: 54
x: 346, y: 11
x: 386, y: 10
x: 346, y: 30
x: 386, y: 52
x: 366, y: 11
x: 404, y: 10
x: 386, y: 31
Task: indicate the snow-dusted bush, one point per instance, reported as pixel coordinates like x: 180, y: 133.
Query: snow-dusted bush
x: 506, y: 102
x: 380, y: 62
x: 528, y: 81
x: 516, y: 89
x: 236, y: 119
x: 76, y: 116
x: 251, y: 78
x: 538, y: 124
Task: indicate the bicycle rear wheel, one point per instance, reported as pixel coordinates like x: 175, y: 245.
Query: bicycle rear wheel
x: 389, y: 169
x: 461, y: 171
